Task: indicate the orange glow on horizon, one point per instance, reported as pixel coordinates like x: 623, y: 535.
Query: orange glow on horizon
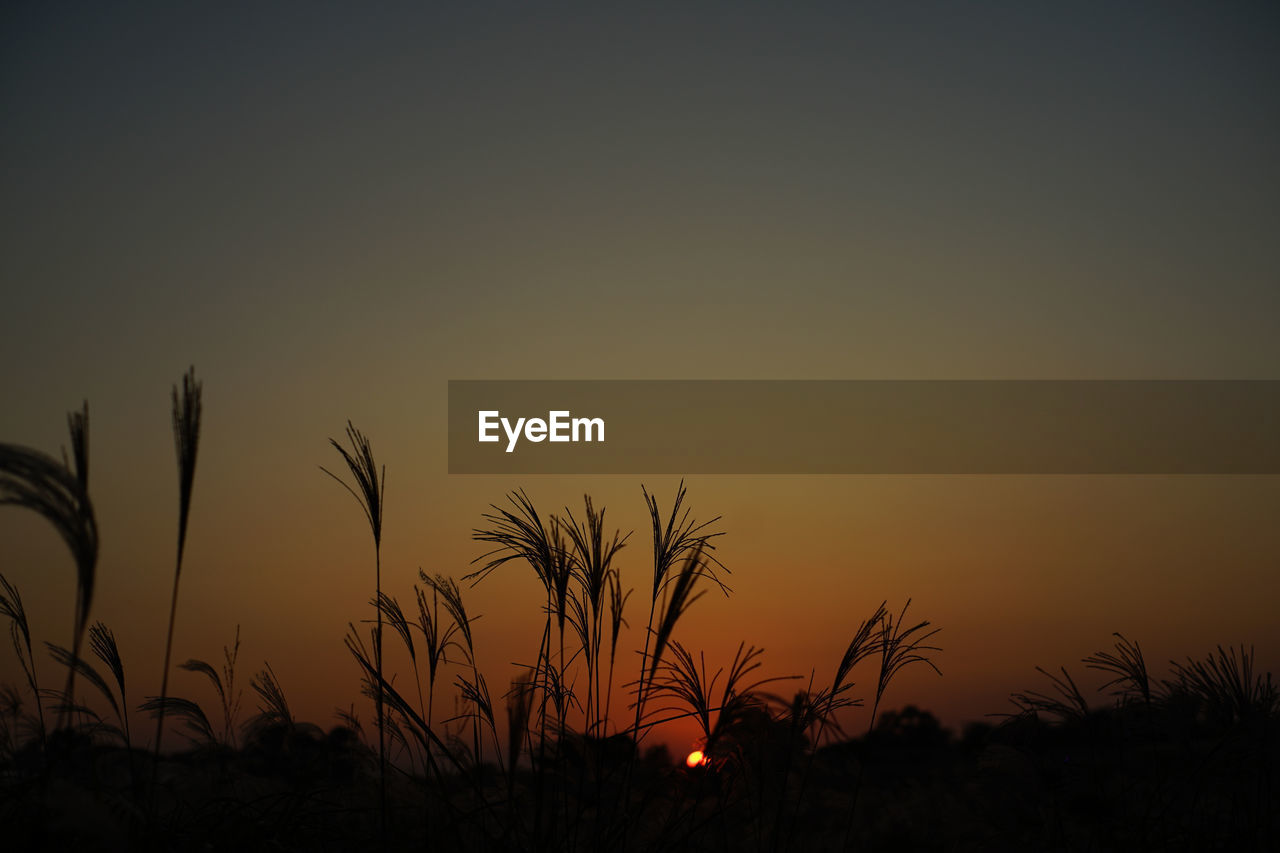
x: 696, y: 758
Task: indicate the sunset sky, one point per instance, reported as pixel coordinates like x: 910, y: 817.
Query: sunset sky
x: 331, y: 214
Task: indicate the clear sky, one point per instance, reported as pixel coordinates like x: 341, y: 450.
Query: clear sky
x: 332, y: 212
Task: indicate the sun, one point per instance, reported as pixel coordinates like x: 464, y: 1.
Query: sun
x: 696, y: 758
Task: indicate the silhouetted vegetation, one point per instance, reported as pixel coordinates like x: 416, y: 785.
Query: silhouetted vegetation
x: 564, y: 758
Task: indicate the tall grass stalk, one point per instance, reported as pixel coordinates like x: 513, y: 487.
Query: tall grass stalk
x: 680, y: 538
x: 200, y: 729
x: 724, y: 719
x: 1128, y: 670
x: 273, y: 707
x: 521, y: 533
x: 20, y: 632
x: 1068, y: 703
x: 617, y: 604
x: 1227, y: 687
x: 474, y: 690
x: 186, y: 411
x: 91, y: 720
x: 821, y: 710
x: 186, y: 437
x: 102, y: 642
x: 684, y: 541
x: 898, y: 648
x: 593, y: 555
x: 78, y: 427
x: 430, y: 742
x: 438, y: 639
x: 371, y: 482
x: 403, y: 627
x: 685, y: 683
x: 60, y: 493
x: 224, y: 685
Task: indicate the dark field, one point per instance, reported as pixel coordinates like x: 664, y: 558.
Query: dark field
x: 562, y: 758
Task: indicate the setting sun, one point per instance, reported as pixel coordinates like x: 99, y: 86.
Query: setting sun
x: 696, y: 758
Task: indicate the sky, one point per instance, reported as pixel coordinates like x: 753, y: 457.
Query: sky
x: 331, y: 212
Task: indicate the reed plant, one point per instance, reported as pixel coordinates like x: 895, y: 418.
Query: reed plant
x: 564, y: 774
x: 592, y: 559
x: 197, y: 728
x: 224, y: 684
x: 370, y: 492
x: 1227, y: 686
x: 687, y: 690
x: 102, y: 642
x: 60, y: 493
x: 91, y: 721
x: 187, y: 408
x: 20, y: 632
x: 561, y: 699
x: 437, y: 636
x: 680, y: 540
x: 520, y: 533
x: 1064, y: 700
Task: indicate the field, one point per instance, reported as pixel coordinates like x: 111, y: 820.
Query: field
x: 561, y: 758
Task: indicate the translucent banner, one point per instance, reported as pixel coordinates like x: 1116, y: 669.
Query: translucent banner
x: 864, y: 427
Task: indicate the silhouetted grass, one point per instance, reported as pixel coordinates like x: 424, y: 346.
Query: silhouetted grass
x: 224, y: 684
x: 20, y: 632
x: 186, y: 439
x: 60, y: 493
x: 371, y: 482
x: 1182, y: 763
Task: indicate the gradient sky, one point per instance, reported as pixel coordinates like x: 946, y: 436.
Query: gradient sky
x: 332, y: 213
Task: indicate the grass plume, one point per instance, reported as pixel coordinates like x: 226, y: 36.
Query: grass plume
x: 20, y: 632
x: 370, y: 491
x: 31, y: 479
x: 1127, y: 668
x: 187, y: 408
x: 901, y: 647
x: 224, y: 684
x: 1227, y: 686
x: 1065, y: 701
